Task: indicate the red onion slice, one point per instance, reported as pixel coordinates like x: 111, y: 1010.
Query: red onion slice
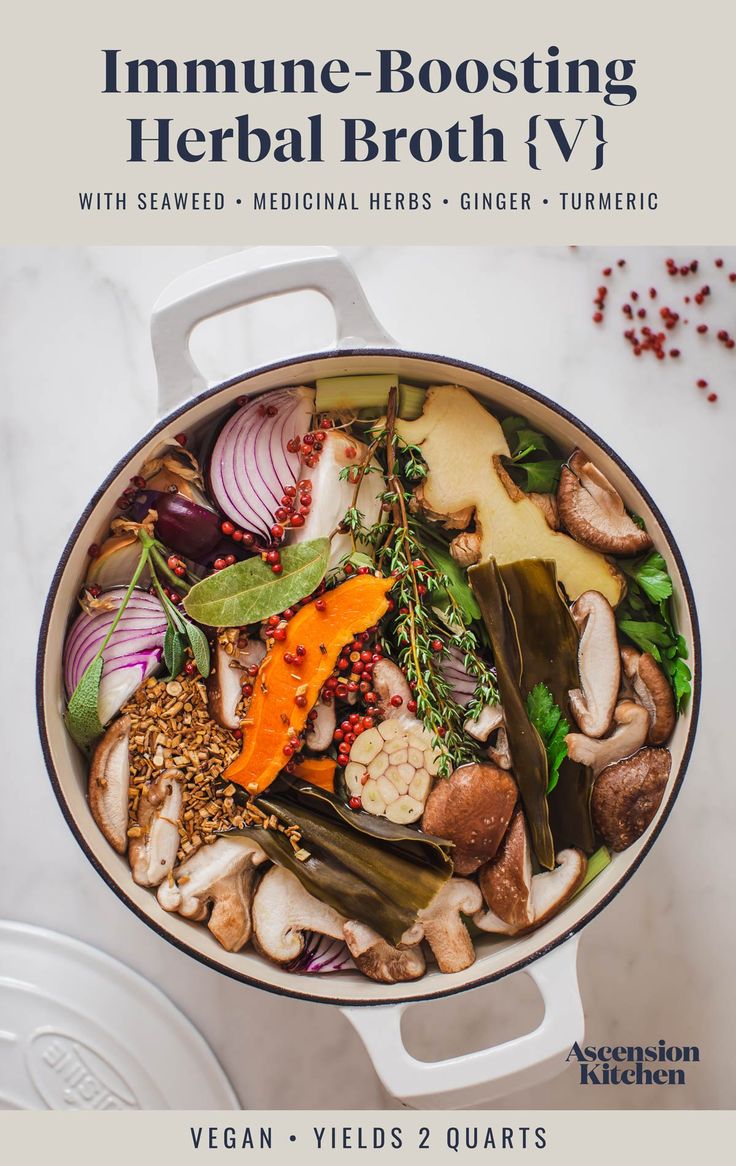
x: 133, y: 653
x: 250, y: 465
x: 322, y: 954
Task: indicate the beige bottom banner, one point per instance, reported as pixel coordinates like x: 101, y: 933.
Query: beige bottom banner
x: 556, y: 1137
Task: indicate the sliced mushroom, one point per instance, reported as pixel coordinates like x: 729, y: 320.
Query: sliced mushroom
x: 388, y: 682
x: 506, y: 881
x: 490, y: 719
x: 443, y: 927
x: 378, y: 959
x: 626, y: 796
x: 219, y: 880
x: 465, y: 548
x: 593, y: 511
x: 109, y: 781
x: 632, y: 725
x: 518, y: 901
x: 472, y: 808
x: 320, y: 730
x: 152, y: 854
x: 283, y: 911
x: 654, y: 692
x: 500, y: 754
x: 224, y: 684
x: 599, y: 664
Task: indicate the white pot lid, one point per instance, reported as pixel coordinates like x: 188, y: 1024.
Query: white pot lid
x: 80, y: 1030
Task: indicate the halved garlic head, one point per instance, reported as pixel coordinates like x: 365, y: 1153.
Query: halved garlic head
x: 391, y: 769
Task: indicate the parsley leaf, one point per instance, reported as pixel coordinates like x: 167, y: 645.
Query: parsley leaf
x: 534, y: 464
x: 646, y: 618
x: 650, y: 572
x: 552, y: 727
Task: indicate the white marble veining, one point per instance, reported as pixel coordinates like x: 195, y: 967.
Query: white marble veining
x: 78, y: 388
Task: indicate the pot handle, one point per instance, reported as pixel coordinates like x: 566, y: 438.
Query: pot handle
x: 472, y: 1080
x: 243, y: 278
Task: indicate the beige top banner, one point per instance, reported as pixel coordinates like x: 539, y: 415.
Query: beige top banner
x: 467, y: 122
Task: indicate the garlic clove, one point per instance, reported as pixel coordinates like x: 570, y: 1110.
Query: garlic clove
x: 354, y: 777
x: 373, y: 803
x: 404, y: 810
x: 378, y: 765
x: 366, y: 746
x: 387, y: 790
x: 419, y: 786
x: 388, y: 729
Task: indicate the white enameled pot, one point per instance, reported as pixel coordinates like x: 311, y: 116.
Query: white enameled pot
x: 187, y: 402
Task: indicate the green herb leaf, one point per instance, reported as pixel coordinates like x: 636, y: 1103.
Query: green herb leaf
x: 540, y: 477
x: 650, y: 572
x: 646, y: 635
x: 82, y: 715
x: 173, y: 651
x: 552, y: 727
x: 200, y: 647
x: 534, y: 464
x: 249, y: 592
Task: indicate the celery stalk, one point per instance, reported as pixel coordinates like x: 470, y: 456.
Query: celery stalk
x: 369, y: 392
x: 596, y: 863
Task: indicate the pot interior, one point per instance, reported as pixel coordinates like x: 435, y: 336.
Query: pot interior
x: 496, y: 957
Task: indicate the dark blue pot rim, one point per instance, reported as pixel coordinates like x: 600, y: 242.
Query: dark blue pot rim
x: 389, y: 353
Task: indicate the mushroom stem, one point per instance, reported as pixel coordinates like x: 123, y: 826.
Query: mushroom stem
x: 443, y: 927
x: 632, y: 726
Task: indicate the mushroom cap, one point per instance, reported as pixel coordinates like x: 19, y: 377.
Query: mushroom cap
x: 443, y: 927
x: 109, y: 781
x: 376, y: 958
x: 653, y: 689
x: 593, y: 511
x: 506, y: 880
x: 599, y: 664
x: 626, y: 796
x: 472, y: 809
x: 632, y: 725
x: 283, y: 910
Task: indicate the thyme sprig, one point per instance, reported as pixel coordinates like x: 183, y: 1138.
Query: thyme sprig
x: 428, y: 618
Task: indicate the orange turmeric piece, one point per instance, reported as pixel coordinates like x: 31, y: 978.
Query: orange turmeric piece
x: 291, y: 676
x: 318, y: 771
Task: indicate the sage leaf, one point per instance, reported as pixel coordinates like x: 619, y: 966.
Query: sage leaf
x: 174, y: 657
x: 200, y: 647
x: 249, y: 592
x: 82, y: 717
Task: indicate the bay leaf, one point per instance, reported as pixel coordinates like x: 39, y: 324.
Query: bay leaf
x: 82, y: 716
x: 249, y: 591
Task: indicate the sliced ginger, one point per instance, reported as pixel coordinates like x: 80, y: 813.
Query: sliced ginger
x: 459, y: 440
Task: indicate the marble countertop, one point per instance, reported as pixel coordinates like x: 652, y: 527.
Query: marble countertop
x: 79, y: 389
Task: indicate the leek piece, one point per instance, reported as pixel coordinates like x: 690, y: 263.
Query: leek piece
x: 368, y: 393
x: 596, y: 863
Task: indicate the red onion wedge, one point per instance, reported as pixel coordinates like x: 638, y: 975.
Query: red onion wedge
x: 250, y: 465
x: 322, y: 954
x: 453, y: 669
x: 133, y: 653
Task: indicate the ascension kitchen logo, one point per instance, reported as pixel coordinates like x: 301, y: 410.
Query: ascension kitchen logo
x: 633, y: 1064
